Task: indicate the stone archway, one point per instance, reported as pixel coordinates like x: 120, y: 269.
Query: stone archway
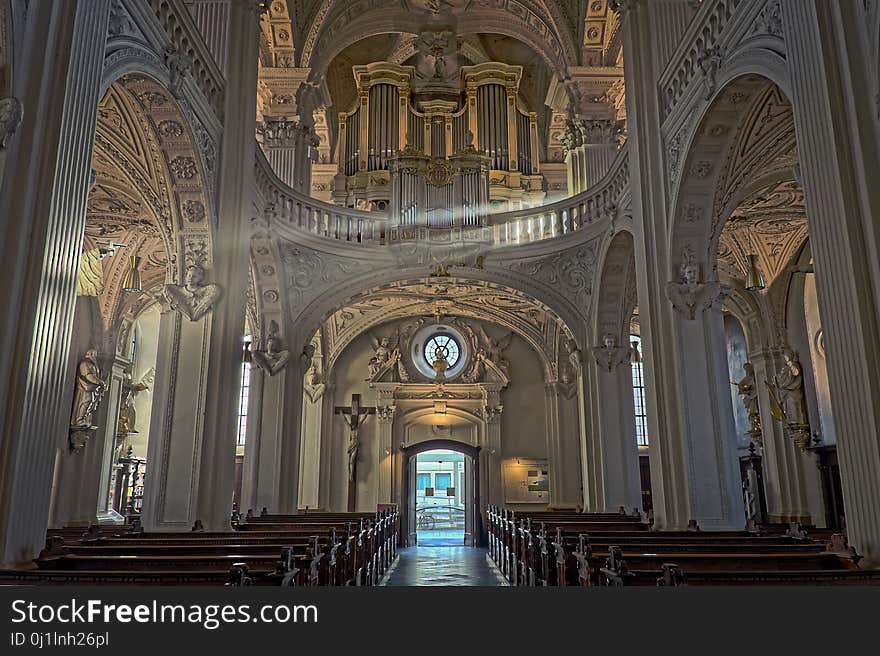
x: 473, y: 531
x: 611, y: 458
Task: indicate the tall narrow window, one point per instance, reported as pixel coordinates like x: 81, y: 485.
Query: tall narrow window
x: 639, y: 391
x: 244, y: 390
x: 132, y: 348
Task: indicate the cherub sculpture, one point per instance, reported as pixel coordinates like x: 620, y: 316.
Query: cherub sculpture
x: 194, y: 297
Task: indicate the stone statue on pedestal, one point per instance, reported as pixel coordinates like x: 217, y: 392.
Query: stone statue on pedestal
x: 88, y: 394
x: 792, y: 403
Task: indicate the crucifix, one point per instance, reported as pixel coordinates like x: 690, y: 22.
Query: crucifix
x: 354, y: 417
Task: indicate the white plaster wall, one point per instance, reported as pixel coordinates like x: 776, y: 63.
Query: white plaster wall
x: 145, y: 358
x: 817, y: 358
x: 737, y: 356
x: 523, y: 423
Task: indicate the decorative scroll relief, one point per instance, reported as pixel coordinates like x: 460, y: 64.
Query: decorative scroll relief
x: 569, y: 272
x: 310, y: 273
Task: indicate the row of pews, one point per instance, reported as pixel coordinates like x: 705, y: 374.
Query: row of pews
x: 556, y: 548
x: 314, y: 549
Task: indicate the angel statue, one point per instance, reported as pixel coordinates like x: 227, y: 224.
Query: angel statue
x: 384, y: 351
x: 273, y: 358
x: 747, y: 389
x: 194, y: 297
x: 127, y: 414
x: 690, y: 295
x: 493, y: 349
x: 610, y: 355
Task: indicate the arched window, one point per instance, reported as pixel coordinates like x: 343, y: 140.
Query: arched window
x: 638, y: 379
x: 244, y: 390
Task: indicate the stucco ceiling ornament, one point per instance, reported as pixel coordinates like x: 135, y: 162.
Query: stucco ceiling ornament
x: 689, y: 296
x: 273, y: 358
x: 194, y: 298
x: 569, y: 273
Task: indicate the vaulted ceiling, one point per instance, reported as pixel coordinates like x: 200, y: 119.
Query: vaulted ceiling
x: 149, y: 196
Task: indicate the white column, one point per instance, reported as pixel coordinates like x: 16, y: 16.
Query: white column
x: 597, y: 159
x: 231, y: 263
x: 494, y: 491
x: 690, y: 418
x: 385, y: 451
x: 835, y: 117
x: 563, y: 448
x: 590, y: 434
x: 254, y: 451
x: 176, y: 423
x: 45, y: 186
x: 788, y: 474
x: 113, y: 400
x: 706, y: 445
x: 617, y: 438
x: 271, y: 477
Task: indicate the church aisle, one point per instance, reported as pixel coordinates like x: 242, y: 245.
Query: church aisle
x: 464, y: 566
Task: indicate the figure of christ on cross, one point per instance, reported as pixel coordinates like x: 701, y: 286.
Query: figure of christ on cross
x: 354, y: 417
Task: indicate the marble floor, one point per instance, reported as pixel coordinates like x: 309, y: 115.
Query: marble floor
x: 459, y: 566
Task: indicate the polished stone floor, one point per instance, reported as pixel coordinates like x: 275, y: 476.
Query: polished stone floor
x: 441, y: 537
x: 458, y: 566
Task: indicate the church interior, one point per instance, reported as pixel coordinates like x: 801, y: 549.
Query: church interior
x: 440, y: 292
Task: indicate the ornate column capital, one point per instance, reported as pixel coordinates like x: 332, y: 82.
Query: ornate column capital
x: 385, y: 414
x: 492, y: 414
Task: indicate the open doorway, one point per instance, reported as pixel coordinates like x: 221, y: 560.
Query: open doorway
x: 442, y: 494
x: 439, y: 498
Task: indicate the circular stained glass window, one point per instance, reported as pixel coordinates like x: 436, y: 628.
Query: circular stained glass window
x: 442, y: 346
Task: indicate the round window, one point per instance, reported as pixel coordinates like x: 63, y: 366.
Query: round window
x: 442, y: 346
x: 439, y: 341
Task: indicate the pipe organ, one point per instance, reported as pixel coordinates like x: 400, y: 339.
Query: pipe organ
x: 438, y: 160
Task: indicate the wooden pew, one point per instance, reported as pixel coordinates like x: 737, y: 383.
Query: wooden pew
x: 316, y: 549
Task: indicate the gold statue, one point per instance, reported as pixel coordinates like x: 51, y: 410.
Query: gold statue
x: 748, y: 391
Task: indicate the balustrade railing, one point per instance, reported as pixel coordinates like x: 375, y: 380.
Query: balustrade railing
x: 298, y: 211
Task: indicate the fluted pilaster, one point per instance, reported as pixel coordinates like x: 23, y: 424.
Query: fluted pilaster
x: 212, y: 19
x: 844, y: 250
x: 45, y: 186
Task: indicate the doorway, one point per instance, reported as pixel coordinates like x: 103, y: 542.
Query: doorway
x: 442, y: 494
x: 439, y: 498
